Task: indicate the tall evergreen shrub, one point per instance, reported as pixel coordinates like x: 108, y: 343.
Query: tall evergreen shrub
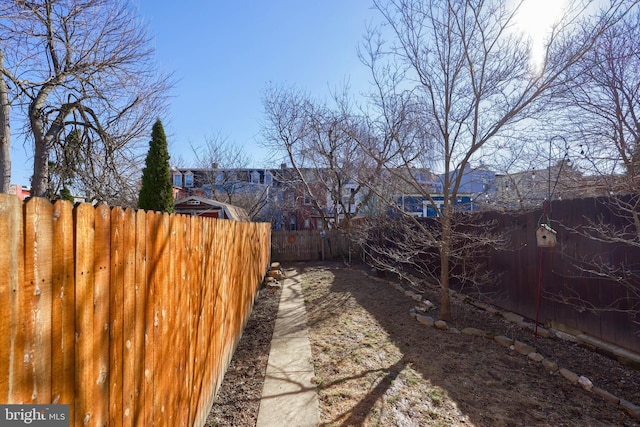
x: 156, y: 193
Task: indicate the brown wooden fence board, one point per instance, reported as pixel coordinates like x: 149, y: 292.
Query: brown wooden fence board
x: 84, y: 313
x: 11, y: 270
x: 101, y: 307
x: 37, y: 302
x: 195, y: 301
x: 63, y: 311
x: 150, y: 316
x: 116, y: 317
x: 140, y: 318
x: 129, y: 372
x: 180, y: 404
x: 167, y: 354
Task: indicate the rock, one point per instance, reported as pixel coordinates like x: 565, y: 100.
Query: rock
x: 491, y: 309
x: 271, y: 282
x: 474, y: 331
x: 633, y: 410
x: 276, y: 274
x: 536, y: 357
x: 480, y: 305
x: 544, y: 333
x: 549, y: 365
x: 413, y: 295
x: 442, y: 325
x: 523, y: 348
x: 275, y: 266
x: 606, y: 395
x: 274, y: 285
x: 571, y: 376
x: 585, y: 383
x: 525, y: 324
x: 623, y: 355
x: 512, y: 317
x: 425, y: 320
x: 504, y: 341
x: 564, y: 336
x: 428, y: 304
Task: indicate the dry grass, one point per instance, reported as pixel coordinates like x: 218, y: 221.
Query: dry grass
x: 376, y: 366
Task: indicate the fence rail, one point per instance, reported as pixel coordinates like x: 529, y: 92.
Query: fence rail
x: 129, y: 317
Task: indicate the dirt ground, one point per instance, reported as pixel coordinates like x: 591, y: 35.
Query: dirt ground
x: 377, y: 366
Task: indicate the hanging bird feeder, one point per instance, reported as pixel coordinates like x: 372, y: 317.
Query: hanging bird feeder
x: 546, y: 236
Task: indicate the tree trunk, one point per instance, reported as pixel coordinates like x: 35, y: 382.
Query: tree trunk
x: 42, y: 140
x: 445, y: 245
x: 40, y: 178
x: 5, y: 133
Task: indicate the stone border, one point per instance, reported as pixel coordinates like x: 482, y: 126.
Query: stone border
x: 525, y: 349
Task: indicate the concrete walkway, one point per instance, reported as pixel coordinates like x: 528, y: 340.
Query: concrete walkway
x: 289, y: 395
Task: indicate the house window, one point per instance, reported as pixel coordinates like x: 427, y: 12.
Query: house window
x: 188, y: 180
x: 177, y: 179
x: 307, y: 200
x: 268, y: 178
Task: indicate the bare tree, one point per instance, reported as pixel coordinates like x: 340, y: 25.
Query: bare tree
x: 5, y: 133
x: 456, y: 82
x: 604, y: 104
x: 321, y: 143
x: 227, y: 178
x: 83, y: 68
x: 221, y: 162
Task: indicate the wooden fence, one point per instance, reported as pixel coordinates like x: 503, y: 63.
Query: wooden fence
x: 571, y: 292
x: 588, y: 282
x: 129, y: 317
x: 309, y: 245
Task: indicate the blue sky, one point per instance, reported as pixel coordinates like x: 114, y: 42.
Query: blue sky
x: 224, y: 53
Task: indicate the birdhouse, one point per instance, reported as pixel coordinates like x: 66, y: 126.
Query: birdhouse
x: 546, y: 236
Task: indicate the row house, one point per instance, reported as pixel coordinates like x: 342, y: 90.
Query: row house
x: 530, y: 188
x: 268, y: 195
x: 280, y: 197
x: 423, y: 206
x: 208, y: 182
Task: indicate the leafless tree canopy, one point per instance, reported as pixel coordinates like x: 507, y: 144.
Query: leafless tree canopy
x: 82, y: 73
x: 604, y: 104
x: 225, y: 168
x: 322, y: 144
